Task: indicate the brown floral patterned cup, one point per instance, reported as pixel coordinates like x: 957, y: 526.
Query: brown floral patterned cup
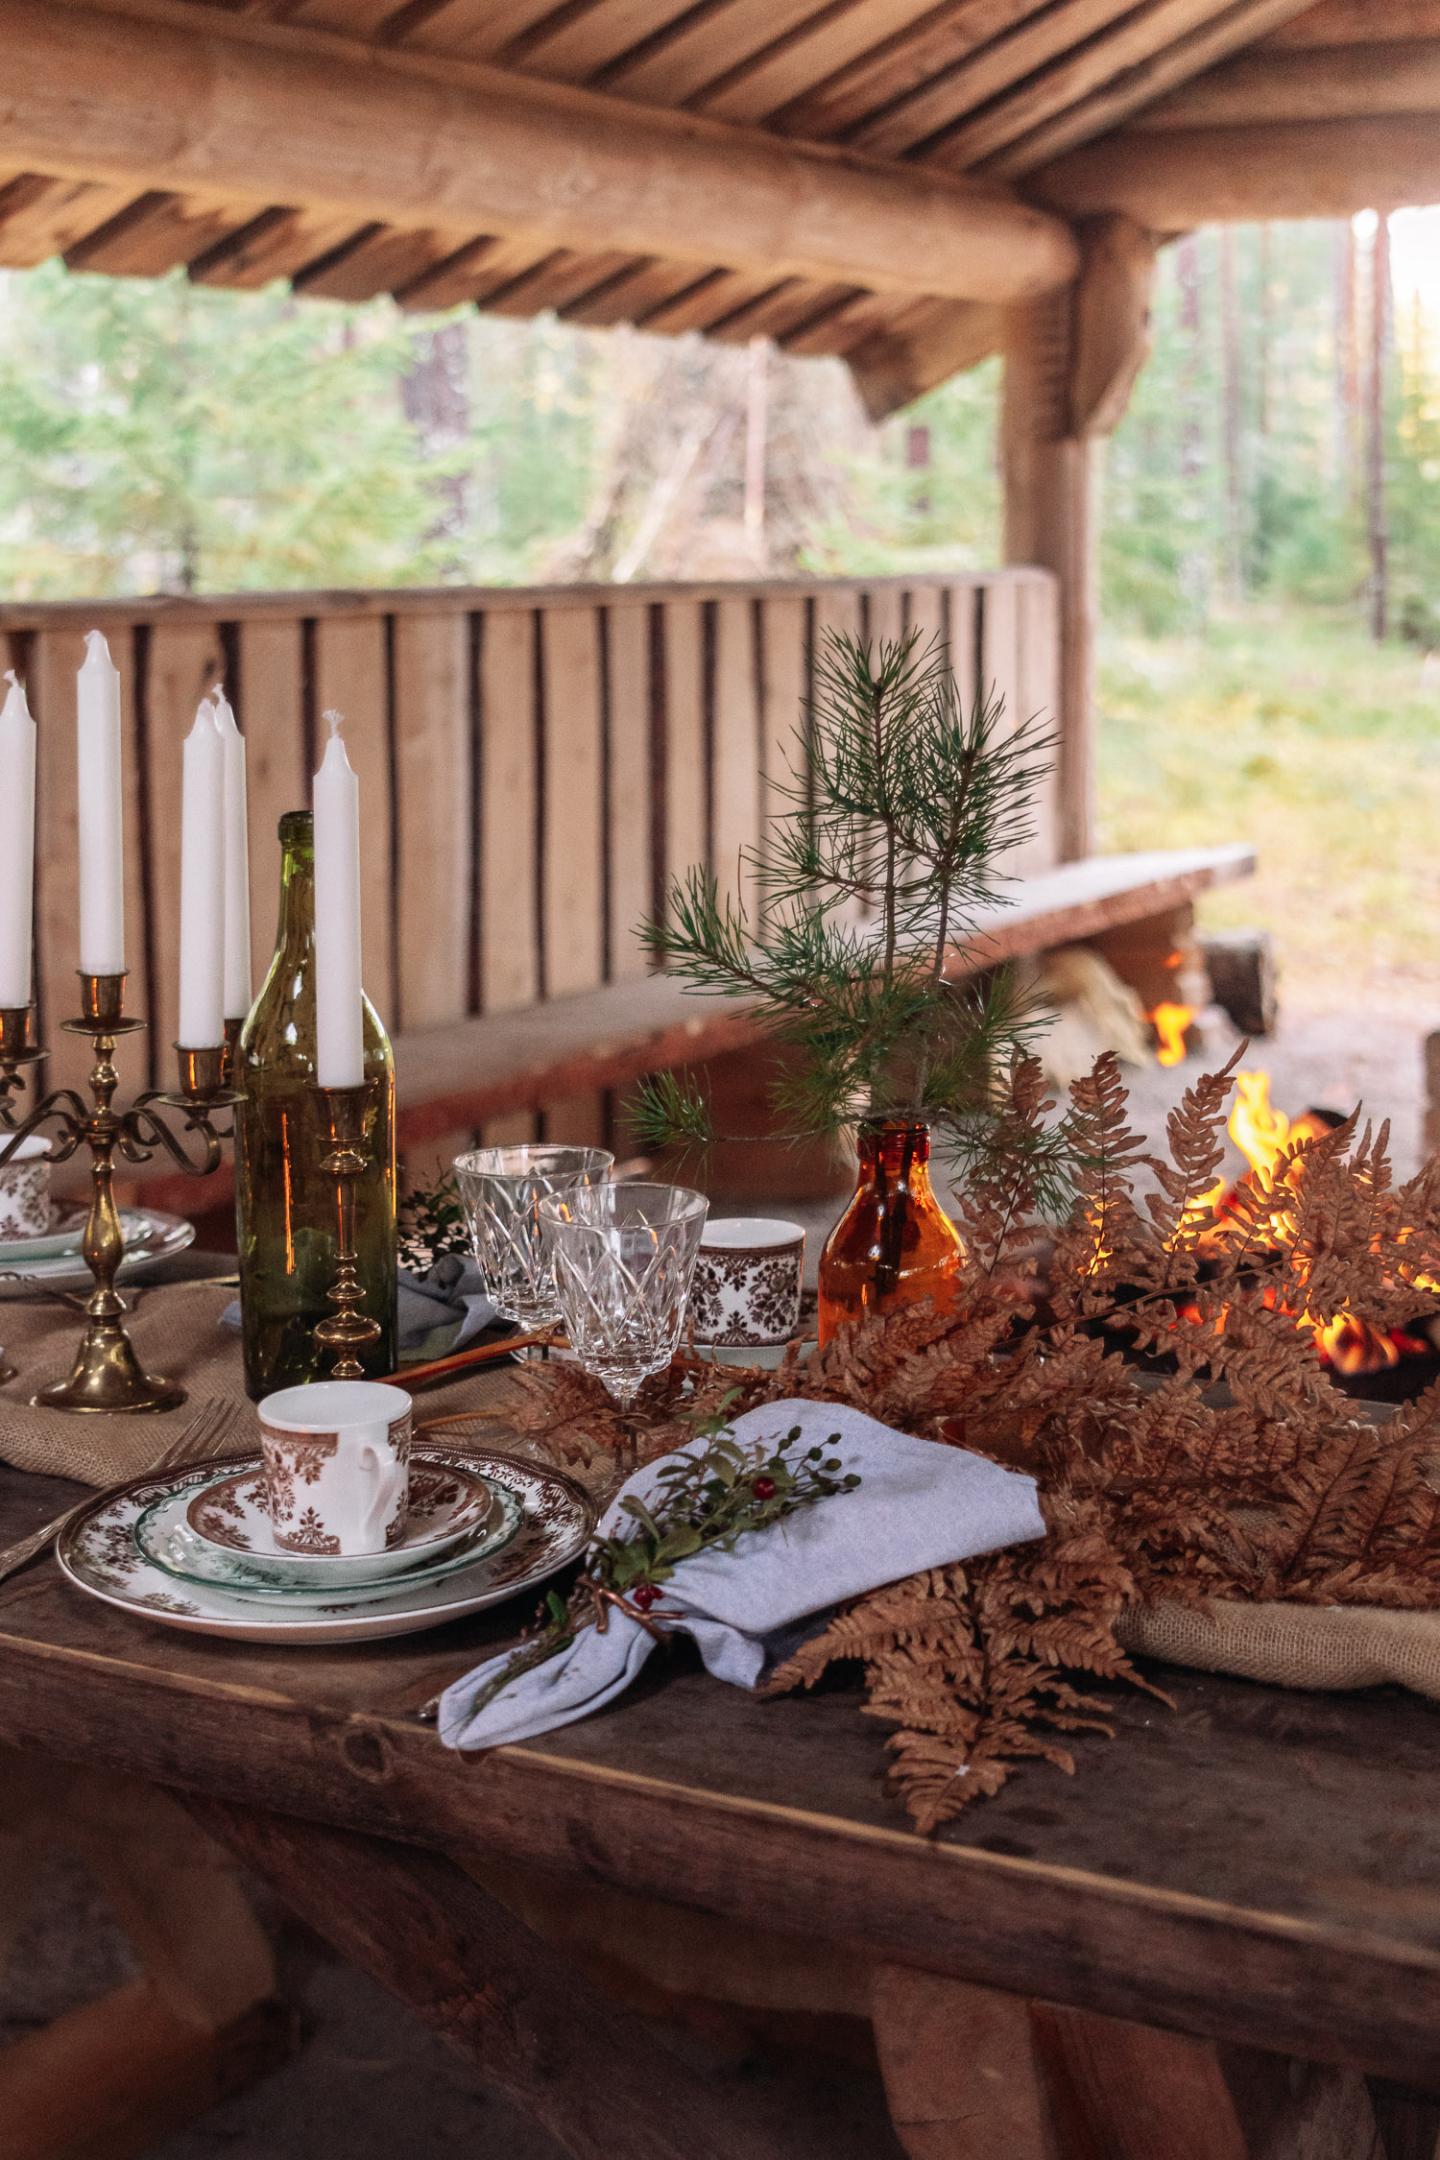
x: 336, y: 1466
x: 748, y: 1281
x: 25, y: 1209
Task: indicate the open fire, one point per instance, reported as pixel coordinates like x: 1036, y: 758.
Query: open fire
x: 1347, y: 1343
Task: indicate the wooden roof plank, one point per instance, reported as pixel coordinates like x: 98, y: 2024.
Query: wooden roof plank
x: 808, y: 53
x: 385, y: 259
x: 964, y: 86
x: 273, y: 244
x: 919, y: 54
x: 590, y: 38
x: 558, y: 278
x: 155, y: 233
x: 838, y: 329
x: 1069, y: 112
x: 790, y: 305
x: 648, y: 283
x: 710, y: 298
x: 41, y: 216
x: 1312, y: 83
x: 481, y: 266
x: 476, y: 29
x: 704, y: 44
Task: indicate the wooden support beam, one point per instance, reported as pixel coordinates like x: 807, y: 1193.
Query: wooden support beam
x: 174, y: 97
x: 895, y: 366
x: 1070, y: 362
x: 1359, y: 22
x: 602, y: 2081
x: 1352, y: 82
x: 1200, y: 176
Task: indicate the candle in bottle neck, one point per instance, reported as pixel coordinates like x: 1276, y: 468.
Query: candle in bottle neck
x: 339, y: 1027
x: 101, y: 836
x: 202, y: 884
x: 17, y: 844
x: 237, y: 862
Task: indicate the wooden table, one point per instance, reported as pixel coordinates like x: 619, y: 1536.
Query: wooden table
x: 1255, y: 1869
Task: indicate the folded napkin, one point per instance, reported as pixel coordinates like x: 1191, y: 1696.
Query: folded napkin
x: 443, y: 1309
x: 919, y: 1505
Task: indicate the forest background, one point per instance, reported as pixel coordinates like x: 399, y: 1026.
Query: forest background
x: 1271, y: 542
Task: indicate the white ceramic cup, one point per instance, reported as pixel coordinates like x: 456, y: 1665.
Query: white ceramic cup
x: 337, y: 1465
x: 748, y: 1281
x: 25, y: 1209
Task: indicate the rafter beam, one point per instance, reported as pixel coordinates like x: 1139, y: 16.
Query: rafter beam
x: 1201, y: 176
x: 176, y: 97
x: 1352, y: 82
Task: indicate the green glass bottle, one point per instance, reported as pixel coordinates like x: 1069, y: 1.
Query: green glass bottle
x: 285, y: 1202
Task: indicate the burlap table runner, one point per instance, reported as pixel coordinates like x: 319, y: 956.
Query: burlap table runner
x: 1296, y: 1646
x: 177, y: 1331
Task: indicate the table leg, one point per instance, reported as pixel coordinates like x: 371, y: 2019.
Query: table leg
x: 972, y: 2073
x: 600, y: 2080
x: 111, y: 2077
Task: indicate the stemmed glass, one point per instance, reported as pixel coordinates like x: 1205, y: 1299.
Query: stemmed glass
x: 623, y: 1257
x: 502, y: 1189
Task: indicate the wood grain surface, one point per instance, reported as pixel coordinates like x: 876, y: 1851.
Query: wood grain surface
x: 1251, y: 1863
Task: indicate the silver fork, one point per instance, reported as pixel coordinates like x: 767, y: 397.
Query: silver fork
x: 200, y: 1440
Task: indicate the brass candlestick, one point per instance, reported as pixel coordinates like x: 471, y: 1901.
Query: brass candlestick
x: 349, y: 1120
x: 107, y: 1374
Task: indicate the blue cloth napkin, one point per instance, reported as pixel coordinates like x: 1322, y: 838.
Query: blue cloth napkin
x: 919, y: 1505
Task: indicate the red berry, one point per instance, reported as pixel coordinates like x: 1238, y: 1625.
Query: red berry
x: 764, y: 1488
x: 644, y: 1595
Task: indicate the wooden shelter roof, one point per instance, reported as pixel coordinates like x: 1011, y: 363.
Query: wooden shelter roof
x: 857, y: 177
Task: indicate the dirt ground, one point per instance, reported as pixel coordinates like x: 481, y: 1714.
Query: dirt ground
x: 371, y: 2081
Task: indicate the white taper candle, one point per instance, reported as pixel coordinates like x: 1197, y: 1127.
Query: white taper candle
x: 202, y: 884
x: 339, y: 1028
x: 17, y: 844
x: 237, y: 862
x: 101, y: 834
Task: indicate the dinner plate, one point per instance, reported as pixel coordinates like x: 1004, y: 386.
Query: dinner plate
x: 62, y: 1238
x: 230, y: 1515
x: 149, y: 1236
x: 97, y: 1552
x: 164, y: 1536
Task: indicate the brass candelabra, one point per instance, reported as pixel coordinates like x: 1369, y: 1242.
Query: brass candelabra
x: 349, y: 1123
x: 107, y: 1375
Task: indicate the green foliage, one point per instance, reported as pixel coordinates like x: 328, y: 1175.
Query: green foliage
x: 159, y: 435
x: 897, y: 816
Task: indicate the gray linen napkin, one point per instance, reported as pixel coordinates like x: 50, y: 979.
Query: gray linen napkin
x: 437, y: 1312
x: 919, y: 1505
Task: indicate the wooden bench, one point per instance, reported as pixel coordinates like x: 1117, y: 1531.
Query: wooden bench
x: 555, y: 1069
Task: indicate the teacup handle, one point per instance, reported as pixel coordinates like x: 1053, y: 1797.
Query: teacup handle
x: 387, y: 1473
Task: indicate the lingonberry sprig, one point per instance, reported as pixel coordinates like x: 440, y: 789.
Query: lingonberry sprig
x: 702, y: 1502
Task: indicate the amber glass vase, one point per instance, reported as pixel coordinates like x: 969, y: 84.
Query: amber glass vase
x: 285, y: 1201
x: 894, y: 1244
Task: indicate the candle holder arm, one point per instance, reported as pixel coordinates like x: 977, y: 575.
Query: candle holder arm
x: 144, y: 1131
x: 68, y: 1114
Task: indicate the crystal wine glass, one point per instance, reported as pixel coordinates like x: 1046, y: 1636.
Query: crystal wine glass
x: 623, y: 1258
x: 501, y: 1189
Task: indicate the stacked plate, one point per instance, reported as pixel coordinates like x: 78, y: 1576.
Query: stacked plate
x: 193, y: 1549
x: 53, y: 1261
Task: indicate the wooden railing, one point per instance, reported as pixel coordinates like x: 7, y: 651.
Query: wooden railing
x: 533, y: 764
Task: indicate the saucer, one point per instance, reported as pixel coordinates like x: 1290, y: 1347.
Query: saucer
x: 164, y: 1536
x: 446, y: 1504
x: 98, y: 1554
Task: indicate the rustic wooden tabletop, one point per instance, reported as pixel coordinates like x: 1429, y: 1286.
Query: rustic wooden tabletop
x: 1255, y: 1866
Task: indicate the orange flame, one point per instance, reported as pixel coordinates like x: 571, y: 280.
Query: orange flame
x: 1170, y: 1022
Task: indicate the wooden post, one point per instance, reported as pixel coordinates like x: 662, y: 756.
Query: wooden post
x: 1071, y: 359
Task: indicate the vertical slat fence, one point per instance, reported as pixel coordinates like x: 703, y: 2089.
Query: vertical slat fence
x: 533, y: 766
